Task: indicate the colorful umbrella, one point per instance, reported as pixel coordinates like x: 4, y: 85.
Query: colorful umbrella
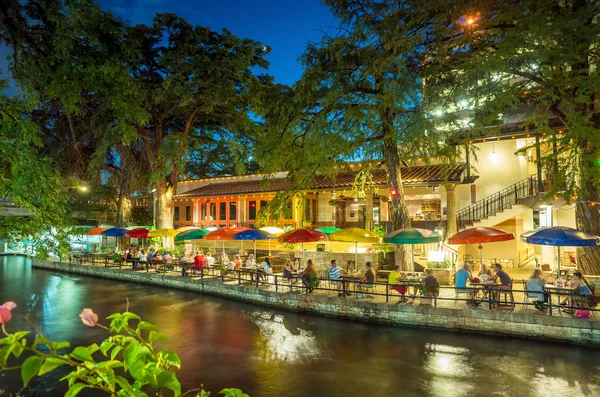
x: 220, y: 234
x: 95, y: 231
x: 273, y: 230
x: 328, y: 230
x: 195, y: 234
x: 560, y: 236
x: 140, y: 232
x: 115, y: 232
x: 302, y: 236
x: 480, y: 235
x: 252, y: 234
x: 355, y: 235
x: 164, y: 232
x: 186, y: 228
x: 241, y: 229
x: 412, y: 236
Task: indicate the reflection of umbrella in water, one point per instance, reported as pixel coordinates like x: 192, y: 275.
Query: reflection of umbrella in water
x: 480, y: 235
x: 412, y: 236
x: 254, y: 235
x: 355, y: 235
x: 560, y: 236
x: 302, y: 236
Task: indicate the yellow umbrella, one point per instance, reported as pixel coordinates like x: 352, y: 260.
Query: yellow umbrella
x: 355, y: 235
x: 164, y: 232
x: 186, y: 228
x: 272, y: 230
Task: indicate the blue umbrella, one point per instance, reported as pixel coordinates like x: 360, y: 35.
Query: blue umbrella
x: 254, y: 235
x: 114, y: 232
x: 560, y: 236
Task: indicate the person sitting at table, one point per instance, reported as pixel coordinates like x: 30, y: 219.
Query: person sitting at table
x: 335, y: 272
x: 251, y: 262
x: 368, y: 281
x: 460, y: 280
x: 157, y: 258
x: 288, y: 272
x: 535, y: 289
x: 142, y: 258
x: 210, y: 260
x: 485, y: 273
x: 310, y: 280
x: 223, y: 259
x: 580, y: 288
x: 151, y: 255
x: 168, y: 259
x: 237, y: 262
x: 396, y: 278
x: 199, y: 260
x: 265, y: 269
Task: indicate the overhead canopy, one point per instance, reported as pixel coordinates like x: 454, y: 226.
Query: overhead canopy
x: 355, y: 235
x: 220, y: 234
x: 412, y: 236
x: 253, y: 234
x: 560, y: 236
x: 140, y: 232
x: 195, y: 234
x: 302, y: 236
x: 479, y: 235
x: 95, y: 231
x: 164, y: 232
x: 114, y: 232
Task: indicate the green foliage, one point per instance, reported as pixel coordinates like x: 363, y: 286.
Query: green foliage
x: 125, y: 364
x: 439, y: 265
x: 380, y: 231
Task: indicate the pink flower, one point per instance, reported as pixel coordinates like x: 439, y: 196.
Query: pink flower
x: 88, y: 317
x: 5, y: 311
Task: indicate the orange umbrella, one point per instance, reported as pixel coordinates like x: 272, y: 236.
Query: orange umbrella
x: 95, y: 231
x: 221, y: 234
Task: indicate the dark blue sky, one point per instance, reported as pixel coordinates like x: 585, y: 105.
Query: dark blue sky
x: 285, y: 25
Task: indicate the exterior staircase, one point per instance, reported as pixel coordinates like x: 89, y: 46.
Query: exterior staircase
x: 500, y: 206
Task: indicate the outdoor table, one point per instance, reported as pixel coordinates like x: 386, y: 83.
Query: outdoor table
x: 485, y: 288
x: 415, y: 283
x: 558, y: 291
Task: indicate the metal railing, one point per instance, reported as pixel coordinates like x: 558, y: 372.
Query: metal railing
x: 486, y: 296
x: 497, y: 202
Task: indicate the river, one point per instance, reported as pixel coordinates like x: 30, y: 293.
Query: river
x: 268, y: 352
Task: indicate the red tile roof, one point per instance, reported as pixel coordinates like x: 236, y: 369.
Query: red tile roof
x: 416, y: 175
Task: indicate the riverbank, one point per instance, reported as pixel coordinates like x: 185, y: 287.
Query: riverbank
x: 466, y: 319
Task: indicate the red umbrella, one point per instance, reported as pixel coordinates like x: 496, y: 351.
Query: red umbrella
x: 479, y: 235
x: 302, y: 236
x: 140, y: 232
x: 221, y: 234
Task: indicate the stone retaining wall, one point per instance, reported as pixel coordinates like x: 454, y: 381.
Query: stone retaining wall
x: 566, y: 329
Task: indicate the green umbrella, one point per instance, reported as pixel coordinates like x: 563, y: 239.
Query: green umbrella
x: 328, y: 230
x: 196, y: 234
x: 412, y: 236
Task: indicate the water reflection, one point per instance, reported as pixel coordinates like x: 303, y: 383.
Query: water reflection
x: 272, y: 353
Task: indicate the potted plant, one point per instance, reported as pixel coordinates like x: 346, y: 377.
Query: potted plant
x: 117, y: 258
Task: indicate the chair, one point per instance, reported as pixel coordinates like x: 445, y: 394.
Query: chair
x: 369, y: 290
x: 507, y: 293
x: 465, y: 293
x: 530, y: 299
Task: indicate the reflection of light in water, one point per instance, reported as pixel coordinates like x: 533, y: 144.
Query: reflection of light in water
x: 280, y: 343
x: 449, y: 371
x: 543, y: 385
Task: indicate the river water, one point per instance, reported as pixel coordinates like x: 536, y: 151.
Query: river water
x: 268, y: 352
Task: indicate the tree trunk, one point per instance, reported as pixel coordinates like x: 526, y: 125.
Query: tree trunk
x: 164, y: 209
x: 400, y: 216
x: 123, y: 210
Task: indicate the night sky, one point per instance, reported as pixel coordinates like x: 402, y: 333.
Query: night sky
x: 285, y: 25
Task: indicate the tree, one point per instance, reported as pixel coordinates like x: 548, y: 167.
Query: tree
x: 193, y: 83
x: 503, y: 54
x: 358, y: 98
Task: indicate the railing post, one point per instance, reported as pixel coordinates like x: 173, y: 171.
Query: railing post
x: 275, y: 282
x: 257, y: 278
x: 387, y: 293
x: 344, y: 288
x: 239, y: 277
x: 550, y: 304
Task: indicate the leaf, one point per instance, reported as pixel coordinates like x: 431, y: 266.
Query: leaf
x: 146, y: 326
x: 131, y: 316
x: 30, y: 368
x: 124, y: 383
x: 50, y: 364
x: 232, y: 392
x: 75, y: 389
x: 82, y: 354
x: 107, y: 375
x: 130, y: 354
x: 154, y: 336
x: 174, y: 385
x: 105, y: 346
x: 171, y: 358
x: 115, y: 351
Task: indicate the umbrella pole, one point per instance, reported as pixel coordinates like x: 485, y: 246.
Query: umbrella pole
x: 355, y: 256
x: 558, y: 262
x: 302, y: 264
x: 269, y: 247
x: 223, y: 241
x: 480, y: 258
x: 254, y: 249
x: 241, y: 246
x: 412, y: 265
x: 215, y: 246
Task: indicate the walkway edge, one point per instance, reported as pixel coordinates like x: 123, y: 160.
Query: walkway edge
x: 563, y: 329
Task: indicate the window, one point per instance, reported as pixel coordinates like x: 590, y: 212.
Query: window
x: 223, y: 211
x: 252, y: 210
x: 203, y: 212
x: 213, y: 211
x: 310, y: 210
x: 307, y: 210
x: 188, y: 213
x: 232, y: 211
x: 288, y: 213
x: 176, y: 214
x: 313, y: 218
